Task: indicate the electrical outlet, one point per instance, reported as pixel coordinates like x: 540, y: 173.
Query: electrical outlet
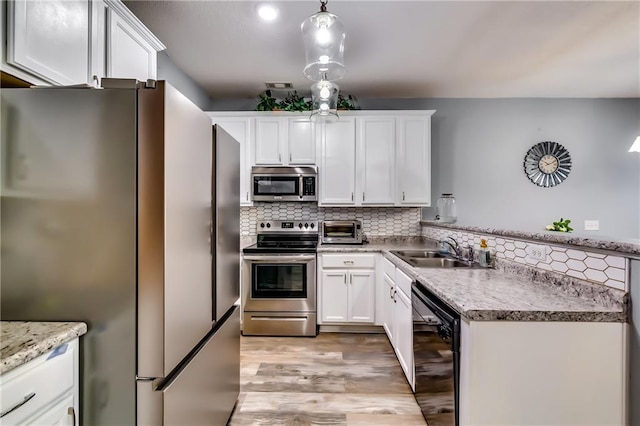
x: 536, y: 252
x: 592, y: 225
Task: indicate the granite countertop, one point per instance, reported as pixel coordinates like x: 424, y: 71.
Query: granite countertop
x: 622, y: 246
x: 22, y: 341
x: 512, y: 292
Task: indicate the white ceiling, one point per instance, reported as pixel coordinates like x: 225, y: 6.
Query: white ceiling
x: 412, y: 49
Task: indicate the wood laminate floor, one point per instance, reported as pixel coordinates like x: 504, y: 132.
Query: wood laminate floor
x: 332, y: 379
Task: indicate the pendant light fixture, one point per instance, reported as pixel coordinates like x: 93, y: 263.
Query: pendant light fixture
x: 636, y: 145
x: 324, y: 98
x: 323, y: 36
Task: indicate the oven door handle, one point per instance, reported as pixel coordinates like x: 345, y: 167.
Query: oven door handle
x: 282, y: 259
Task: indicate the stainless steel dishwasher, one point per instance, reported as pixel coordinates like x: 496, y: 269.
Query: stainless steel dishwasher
x: 436, y: 354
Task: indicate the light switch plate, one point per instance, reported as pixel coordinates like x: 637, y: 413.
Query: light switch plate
x: 591, y: 225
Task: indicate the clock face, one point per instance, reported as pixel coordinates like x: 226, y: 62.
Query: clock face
x: 547, y: 164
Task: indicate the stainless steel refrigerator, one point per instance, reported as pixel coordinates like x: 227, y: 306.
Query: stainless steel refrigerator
x: 119, y: 207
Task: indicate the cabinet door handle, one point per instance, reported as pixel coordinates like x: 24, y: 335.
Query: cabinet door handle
x: 290, y: 157
x: 352, y: 196
x: 345, y: 278
x: 26, y: 399
x: 72, y: 412
x: 247, y: 195
x: 350, y: 279
x: 394, y: 296
x: 391, y: 293
x: 348, y: 262
x: 402, y: 195
x: 363, y: 196
x: 279, y: 158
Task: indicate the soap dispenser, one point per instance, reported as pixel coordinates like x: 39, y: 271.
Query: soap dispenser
x: 486, y: 256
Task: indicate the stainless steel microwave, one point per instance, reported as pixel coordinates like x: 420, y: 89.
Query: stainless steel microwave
x: 284, y: 183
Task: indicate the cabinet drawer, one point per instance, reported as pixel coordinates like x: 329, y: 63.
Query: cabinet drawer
x: 348, y: 261
x: 403, y: 282
x: 388, y: 268
x: 37, y: 382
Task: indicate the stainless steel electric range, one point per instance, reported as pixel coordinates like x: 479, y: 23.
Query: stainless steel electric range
x: 279, y: 280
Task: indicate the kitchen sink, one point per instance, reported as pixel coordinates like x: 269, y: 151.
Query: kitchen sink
x: 439, y: 263
x: 431, y: 259
x: 419, y: 254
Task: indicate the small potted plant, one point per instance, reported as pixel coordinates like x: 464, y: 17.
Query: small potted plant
x: 294, y: 102
x: 346, y: 103
x: 267, y: 102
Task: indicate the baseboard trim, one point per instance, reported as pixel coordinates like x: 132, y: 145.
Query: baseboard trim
x: 351, y: 328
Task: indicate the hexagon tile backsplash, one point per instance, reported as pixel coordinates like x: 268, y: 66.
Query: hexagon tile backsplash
x: 376, y: 221
x: 609, y: 270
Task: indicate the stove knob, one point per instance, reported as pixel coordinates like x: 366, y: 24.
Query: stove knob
x: 262, y: 225
x: 268, y: 225
x: 312, y: 225
x: 306, y: 225
x: 300, y: 225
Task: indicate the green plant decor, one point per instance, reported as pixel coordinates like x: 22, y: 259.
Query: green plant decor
x: 267, y: 102
x: 294, y: 102
x: 561, y: 226
x: 346, y: 103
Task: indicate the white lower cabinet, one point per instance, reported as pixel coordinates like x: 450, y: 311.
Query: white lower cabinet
x: 398, y: 316
x: 347, y: 295
x: 43, y: 391
x: 403, y: 333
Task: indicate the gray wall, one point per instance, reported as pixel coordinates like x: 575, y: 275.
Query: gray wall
x: 634, y: 354
x: 478, y: 148
x: 168, y: 70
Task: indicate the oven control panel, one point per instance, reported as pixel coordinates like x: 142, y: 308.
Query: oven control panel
x: 293, y: 226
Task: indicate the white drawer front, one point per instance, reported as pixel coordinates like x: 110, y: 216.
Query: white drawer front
x: 40, y: 381
x: 403, y: 282
x: 348, y: 261
x: 388, y: 268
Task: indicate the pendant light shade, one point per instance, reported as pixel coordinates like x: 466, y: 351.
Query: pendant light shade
x: 323, y: 36
x: 324, y: 97
x: 636, y: 145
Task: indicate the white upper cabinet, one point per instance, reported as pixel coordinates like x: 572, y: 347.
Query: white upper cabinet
x: 337, y: 169
x: 131, y: 48
x: 282, y: 141
x: 376, y: 146
x: 241, y: 130
x: 271, y: 139
x: 301, y: 141
x: 414, y: 161
x: 48, y: 41
x: 65, y: 42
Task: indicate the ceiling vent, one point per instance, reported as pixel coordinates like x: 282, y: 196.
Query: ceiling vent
x: 279, y: 85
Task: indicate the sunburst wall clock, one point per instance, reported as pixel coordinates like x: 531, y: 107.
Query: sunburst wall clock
x: 547, y: 164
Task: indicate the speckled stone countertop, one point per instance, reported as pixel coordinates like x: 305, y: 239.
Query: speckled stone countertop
x: 512, y: 292
x: 630, y: 247
x: 22, y: 341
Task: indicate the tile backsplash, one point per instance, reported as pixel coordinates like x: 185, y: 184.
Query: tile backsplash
x: 609, y: 270
x: 376, y: 221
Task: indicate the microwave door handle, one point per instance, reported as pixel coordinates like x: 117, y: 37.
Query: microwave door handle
x: 300, y: 186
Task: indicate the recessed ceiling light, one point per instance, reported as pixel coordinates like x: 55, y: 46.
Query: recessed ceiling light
x: 278, y: 85
x: 267, y: 12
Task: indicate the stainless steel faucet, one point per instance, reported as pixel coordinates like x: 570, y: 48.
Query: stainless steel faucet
x: 453, y: 244
x: 457, y: 250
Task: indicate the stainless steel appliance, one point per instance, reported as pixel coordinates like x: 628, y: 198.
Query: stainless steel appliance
x: 285, y: 183
x: 436, y: 354
x: 279, y: 280
x: 107, y: 217
x: 341, y: 232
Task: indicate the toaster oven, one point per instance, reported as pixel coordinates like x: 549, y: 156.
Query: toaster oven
x: 341, y: 232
